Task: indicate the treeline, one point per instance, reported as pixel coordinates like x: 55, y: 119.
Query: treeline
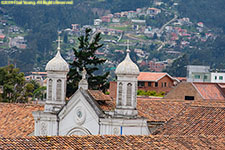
x: 45, y: 21
x: 210, y: 12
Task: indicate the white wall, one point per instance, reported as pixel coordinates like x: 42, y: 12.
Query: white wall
x: 118, y: 126
x: 71, y: 123
x: 218, y: 75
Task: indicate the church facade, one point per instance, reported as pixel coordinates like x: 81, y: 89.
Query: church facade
x: 82, y: 114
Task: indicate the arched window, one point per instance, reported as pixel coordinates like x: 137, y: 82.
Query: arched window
x: 129, y: 92
x: 50, y: 89
x: 120, y: 94
x: 58, y: 90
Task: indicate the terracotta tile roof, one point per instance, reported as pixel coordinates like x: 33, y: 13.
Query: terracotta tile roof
x: 159, y: 110
x: 150, y: 76
x: 181, y: 78
x: 162, y: 109
x: 99, y: 95
x: 196, y: 120
x: 209, y: 91
x: 41, y: 73
x: 114, y: 142
x: 16, y: 120
x: 108, y: 105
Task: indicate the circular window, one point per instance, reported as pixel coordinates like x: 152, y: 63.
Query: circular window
x: 80, y: 115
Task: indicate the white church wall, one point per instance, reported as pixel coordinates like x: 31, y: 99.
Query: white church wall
x: 77, y: 116
x: 121, y: 126
x: 45, y: 124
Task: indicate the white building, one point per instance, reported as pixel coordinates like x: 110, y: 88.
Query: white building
x: 202, y: 74
x: 82, y: 115
x: 97, y: 22
x: 217, y: 77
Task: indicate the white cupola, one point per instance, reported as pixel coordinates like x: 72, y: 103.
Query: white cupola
x: 127, y: 66
x: 57, y: 69
x: 127, y: 72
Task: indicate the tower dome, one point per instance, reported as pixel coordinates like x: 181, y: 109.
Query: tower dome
x: 127, y: 66
x: 57, y: 63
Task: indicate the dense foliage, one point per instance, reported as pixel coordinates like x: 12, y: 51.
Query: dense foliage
x: 210, y: 12
x: 14, y: 87
x: 150, y: 93
x: 85, y: 57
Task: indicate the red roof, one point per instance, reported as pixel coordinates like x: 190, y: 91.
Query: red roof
x: 196, y: 120
x: 41, y: 73
x: 16, y: 120
x: 2, y: 36
x: 181, y: 78
x: 111, y: 142
x: 150, y: 76
x: 209, y: 91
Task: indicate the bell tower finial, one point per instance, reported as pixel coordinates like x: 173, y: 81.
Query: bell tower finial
x: 128, y: 47
x: 58, y: 48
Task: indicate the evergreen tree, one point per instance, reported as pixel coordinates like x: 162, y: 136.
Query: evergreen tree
x: 85, y: 58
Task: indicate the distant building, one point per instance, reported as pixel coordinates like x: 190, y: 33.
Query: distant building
x: 153, y: 81
x: 156, y: 66
x: 37, y: 76
x: 18, y: 42
x: 203, y: 74
x: 75, y: 27
x: 106, y: 19
x: 115, y: 20
x: 131, y: 14
x: 153, y: 11
x: 198, y: 91
x: 97, y: 22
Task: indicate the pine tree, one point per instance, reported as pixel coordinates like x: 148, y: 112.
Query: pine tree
x: 85, y: 58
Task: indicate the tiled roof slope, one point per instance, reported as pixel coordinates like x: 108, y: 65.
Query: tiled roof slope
x: 16, y: 120
x: 162, y: 109
x: 209, y: 91
x: 150, y: 76
x: 196, y: 120
x: 159, y: 110
x: 99, y: 95
x: 114, y: 142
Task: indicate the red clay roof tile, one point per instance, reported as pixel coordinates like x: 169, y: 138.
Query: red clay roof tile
x: 150, y: 76
x: 16, y: 119
x: 196, y: 120
x: 114, y: 142
x: 209, y: 91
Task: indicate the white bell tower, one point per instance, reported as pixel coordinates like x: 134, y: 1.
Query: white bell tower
x: 57, y: 70
x: 126, y: 101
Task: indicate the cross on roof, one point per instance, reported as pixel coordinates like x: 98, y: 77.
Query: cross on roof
x: 128, y: 50
x: 59, y: 42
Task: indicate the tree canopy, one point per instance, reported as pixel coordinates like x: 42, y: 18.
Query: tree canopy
x: 84, y: 57
x: 14, y: 87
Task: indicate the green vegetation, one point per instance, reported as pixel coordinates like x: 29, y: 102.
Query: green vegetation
x: 85, y: 58
x: 150, y: 93
x: 15, y: 88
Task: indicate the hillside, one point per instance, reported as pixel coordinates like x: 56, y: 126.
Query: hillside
x: 41, y: 23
